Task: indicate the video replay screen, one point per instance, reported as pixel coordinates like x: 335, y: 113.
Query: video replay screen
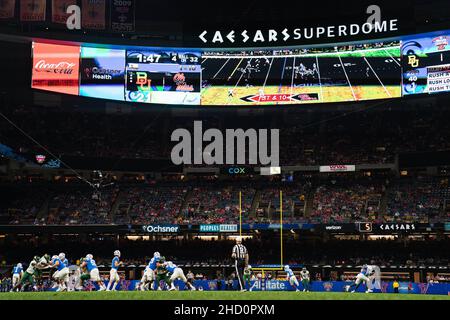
x: 375, y: 70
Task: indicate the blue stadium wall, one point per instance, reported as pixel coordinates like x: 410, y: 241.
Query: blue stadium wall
x: 316, y: 286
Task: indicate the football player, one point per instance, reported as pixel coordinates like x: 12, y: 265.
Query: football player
x: 291, y: 277
x: 305, y: 279
x: 113, y: 274
x: 61, y: 276
x: 92, y: 269
x: 27, y: 277
x: 162, y: 274
x: 17, y: 274
x: 81, y: 275
x: 247, y: 276
x: 363, y: 276
x: 176, y: 273
x: 153, y: 265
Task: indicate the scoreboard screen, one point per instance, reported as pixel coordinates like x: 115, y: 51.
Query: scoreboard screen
x: 426, y: 64
x: 376, y: 69
x: 163, y: 77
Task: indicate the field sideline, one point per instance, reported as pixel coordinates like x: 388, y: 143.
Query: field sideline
x: 218, y: 295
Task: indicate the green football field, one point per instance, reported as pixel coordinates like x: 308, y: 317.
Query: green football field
x: 216, y: 295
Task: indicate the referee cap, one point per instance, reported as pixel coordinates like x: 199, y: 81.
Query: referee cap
x: 238, y: 239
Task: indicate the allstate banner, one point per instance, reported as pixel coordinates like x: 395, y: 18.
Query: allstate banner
x: 283, y: 285
x: 122, y: 15
x: 93, y: 14
x: 59, y: 9
x: 7, y: 9
x: 32, y: 10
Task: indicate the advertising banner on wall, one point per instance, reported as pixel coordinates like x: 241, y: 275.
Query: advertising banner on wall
x: 93, y: 14
x: 337, y: 168
x: 102, y: 73
x: 55, y: 67
x: 122, y: 15
x: 59, y: 9
x: 161, y: 228
x: 7, y: 9
x: 32, y: 10
x: 218, y: 228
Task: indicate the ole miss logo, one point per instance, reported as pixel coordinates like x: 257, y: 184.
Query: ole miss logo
x: 40, y: 158
x: 440, y: 42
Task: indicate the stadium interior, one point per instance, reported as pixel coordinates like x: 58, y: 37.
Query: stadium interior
x: 88, y: 175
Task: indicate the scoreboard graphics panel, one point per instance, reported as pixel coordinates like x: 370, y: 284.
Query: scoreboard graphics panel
x: 165, y: 77
x: 426, y: 64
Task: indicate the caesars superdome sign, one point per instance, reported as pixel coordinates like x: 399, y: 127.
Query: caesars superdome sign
x: 369, y: 25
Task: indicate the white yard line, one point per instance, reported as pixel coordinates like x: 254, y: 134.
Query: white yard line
x: 320, y: 81
x: 395, y: 60
x: 292, y: 79
x: 221, y: 69
x: 348, y: 80
x: 231, y: 75
x: 267, y: 76
x: 365, y: 59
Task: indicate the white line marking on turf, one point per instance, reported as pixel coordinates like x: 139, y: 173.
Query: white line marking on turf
x: 221, y: 68
x: 242, y: 73
x: 395, y: 60
x: 292, y: 80
x: 348, y: 80
x: 365, y: 59
x: 267, y: 76
x: 320, y: 81
x: 235, y: 68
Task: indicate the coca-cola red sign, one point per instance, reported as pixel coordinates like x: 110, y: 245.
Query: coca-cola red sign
x: 61, y: 67
x: 56, y: 67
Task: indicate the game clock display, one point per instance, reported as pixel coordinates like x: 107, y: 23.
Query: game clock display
x: 163, y: 77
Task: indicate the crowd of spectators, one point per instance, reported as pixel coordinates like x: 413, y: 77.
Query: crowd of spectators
x: 372, y: 137
x: 334, y: 199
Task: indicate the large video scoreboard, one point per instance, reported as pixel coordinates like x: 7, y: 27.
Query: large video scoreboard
x: 363, y: 71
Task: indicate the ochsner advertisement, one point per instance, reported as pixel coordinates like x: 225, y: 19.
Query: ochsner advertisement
x: 55, y: 67
x: 102, y: 73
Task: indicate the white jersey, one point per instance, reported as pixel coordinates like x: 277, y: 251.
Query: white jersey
x: 304, y: 274
x: 43, y: 263
x: 32, y: 267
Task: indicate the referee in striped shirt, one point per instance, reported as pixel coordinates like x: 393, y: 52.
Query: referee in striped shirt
x: 240, y: 256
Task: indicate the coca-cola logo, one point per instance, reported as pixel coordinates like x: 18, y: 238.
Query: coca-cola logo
x: 62, y: 67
